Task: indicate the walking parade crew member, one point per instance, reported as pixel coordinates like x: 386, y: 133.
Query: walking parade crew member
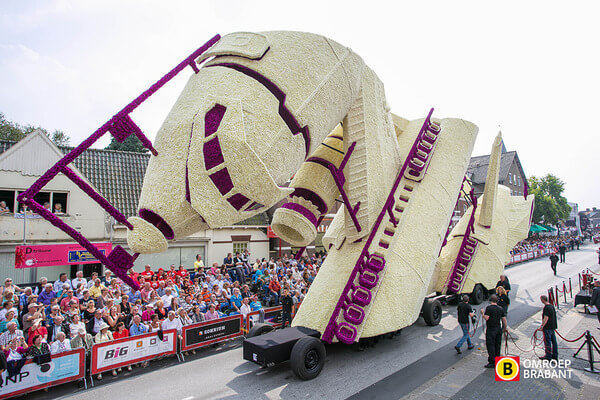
x: 503, y: 300
x: 562, y: 249
x: 595, y: 300
x: 495, y: 318
x: 286, y: 308
x: 553, y: 262
x: 504, y: 283
x: 464, y: 312
x: 549, y: 326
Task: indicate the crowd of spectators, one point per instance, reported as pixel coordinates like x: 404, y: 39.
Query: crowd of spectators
x: 54, y: 317
x: 547, y: 242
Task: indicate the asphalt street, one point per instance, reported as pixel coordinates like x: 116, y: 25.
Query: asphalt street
x: 391, y: 369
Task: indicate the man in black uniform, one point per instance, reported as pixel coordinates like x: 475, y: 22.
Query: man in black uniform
x: 286, y: 308
x: 549, y: 325
x: 496, y: 324
x: 562, y: 249
x: 553, y: 262
x: 464, y: 311
x: 504, y: 283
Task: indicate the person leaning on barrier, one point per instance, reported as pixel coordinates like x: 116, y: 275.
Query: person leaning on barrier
x: 495, y: 318
x: 595, y: 300
x: 464, y: 311
x: 549, y: 326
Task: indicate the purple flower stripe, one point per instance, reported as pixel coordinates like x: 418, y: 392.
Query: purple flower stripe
x: 238, y: 201
x: 213, y: 119
x: 156, y: 220
x: 312, y: 197
x: 329, y: 332
x: 222, y: 181
x: 300, y: 209
x: 213, y: 156
x: 284, y: 112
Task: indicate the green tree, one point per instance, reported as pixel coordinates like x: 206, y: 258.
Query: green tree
x: 550, y: 205
x: 13, y: 131
x: 132, y: 143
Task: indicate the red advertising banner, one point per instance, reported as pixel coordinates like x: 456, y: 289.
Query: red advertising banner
x: 130, y: 350
x: 51, y: 255
x: 213, y: 331
x: 64, y: 367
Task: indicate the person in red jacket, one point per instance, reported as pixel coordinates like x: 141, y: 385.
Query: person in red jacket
x: 274, y: 288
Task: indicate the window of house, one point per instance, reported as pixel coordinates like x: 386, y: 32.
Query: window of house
x: 8, y: 197
x: 51, y: 198
x: 239, y: 247
x: 60, y: 198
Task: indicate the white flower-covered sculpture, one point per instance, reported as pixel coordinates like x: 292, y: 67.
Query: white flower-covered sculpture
x: 478, y: 247
x: 258, y: 111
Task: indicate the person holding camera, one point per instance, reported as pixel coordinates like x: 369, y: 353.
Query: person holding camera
x: 465, y: 311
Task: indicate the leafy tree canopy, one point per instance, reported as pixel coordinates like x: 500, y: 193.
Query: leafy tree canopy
x: 550, y: 205
x: 10, y: 130
x: 132, y: 143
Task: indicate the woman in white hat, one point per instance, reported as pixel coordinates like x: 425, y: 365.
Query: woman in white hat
x: 104, y: 335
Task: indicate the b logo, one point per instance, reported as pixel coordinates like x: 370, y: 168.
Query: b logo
x: 507, y: 369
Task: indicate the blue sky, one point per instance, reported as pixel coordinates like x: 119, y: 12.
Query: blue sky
x: 529, y: 67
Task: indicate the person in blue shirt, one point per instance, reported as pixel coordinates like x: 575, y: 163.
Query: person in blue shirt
x: 256, y: 306
x: 236, y: 300
x: 137, y: 328
x: 47, y: 295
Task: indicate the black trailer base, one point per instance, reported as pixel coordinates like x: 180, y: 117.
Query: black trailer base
x: 276, y: 346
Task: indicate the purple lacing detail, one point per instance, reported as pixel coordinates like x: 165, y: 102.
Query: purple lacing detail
x: 213, y: 118
x: 213, y: 156
x: 284, y: 112
x: 300, y: 209
x: 156, y: 220
x: 465, y: 252
x: 330, y: 330
x: 238, y: 201
x: 118, y: 125
x: 339, y: 179
x: 222, y: 181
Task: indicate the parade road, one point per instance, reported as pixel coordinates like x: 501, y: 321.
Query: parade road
x: 391, y: 369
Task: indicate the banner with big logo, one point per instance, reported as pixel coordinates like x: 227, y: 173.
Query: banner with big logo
x: 130, y: 350
x: 63, y: 367
x: 208, y: 332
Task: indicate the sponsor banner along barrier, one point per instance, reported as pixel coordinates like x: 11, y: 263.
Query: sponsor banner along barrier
x: 130, y: 350
x: 56, y: 254
x: 530, y: 255
x: 272, y: 316
x: 63, y: 367
x: 209, y: 332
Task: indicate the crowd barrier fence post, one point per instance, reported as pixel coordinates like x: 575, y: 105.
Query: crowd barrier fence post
x: 571, y: 288
x: 565, y: 291
x: 556, y: 296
